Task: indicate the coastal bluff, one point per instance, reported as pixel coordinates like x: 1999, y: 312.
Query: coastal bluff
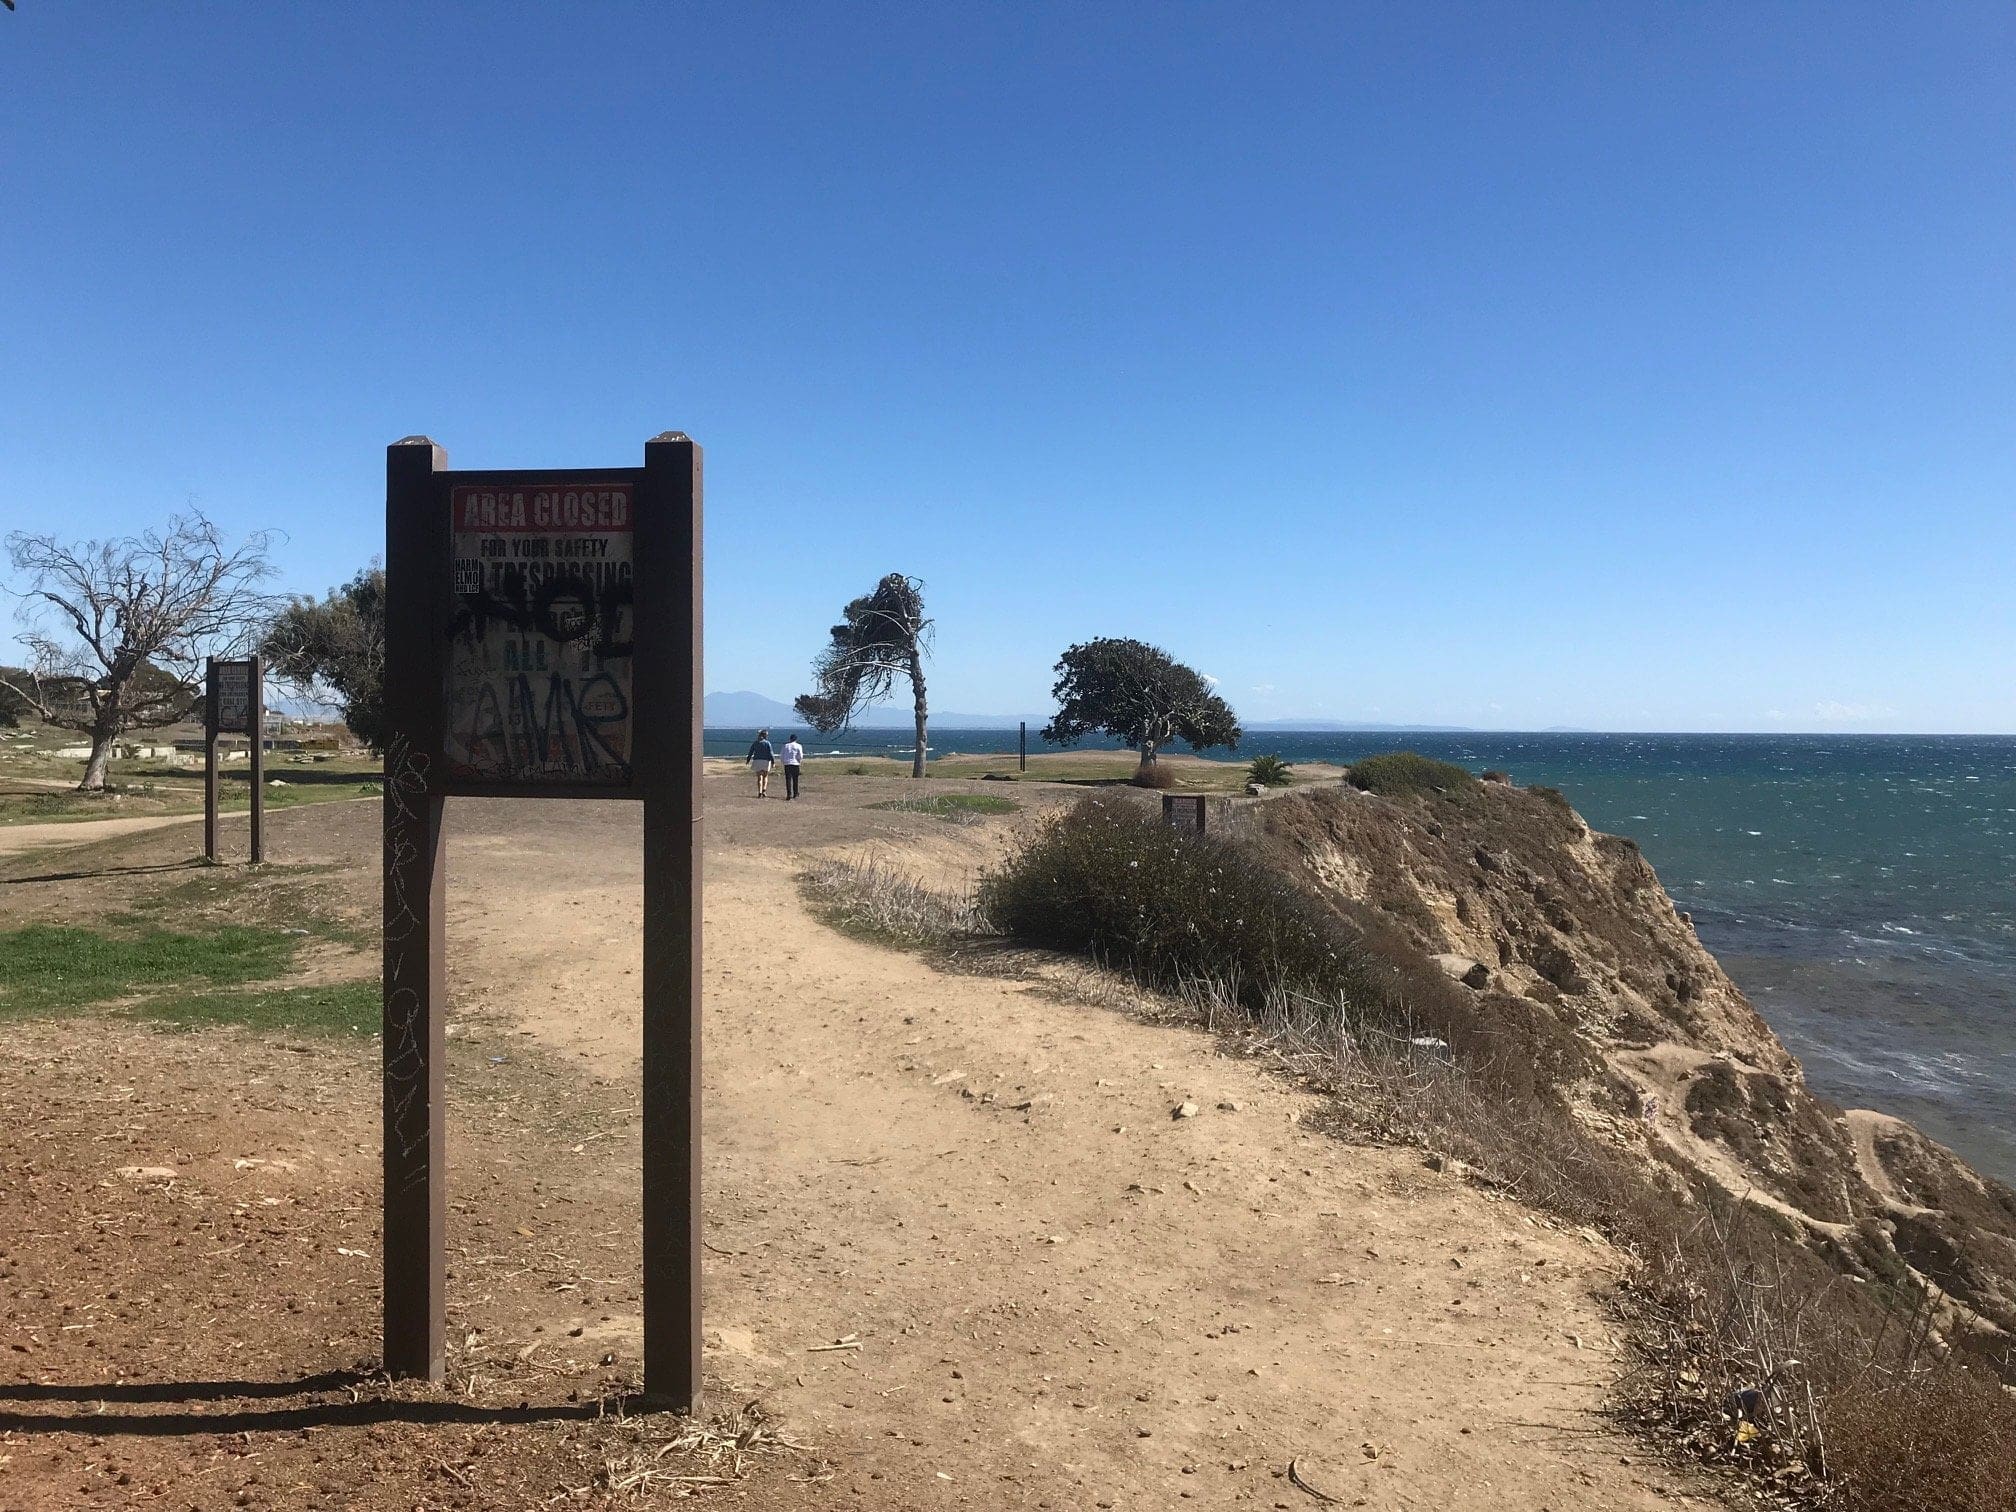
x: 1564, y: 961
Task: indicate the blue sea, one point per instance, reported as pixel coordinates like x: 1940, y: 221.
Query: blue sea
x: 1860, y: 889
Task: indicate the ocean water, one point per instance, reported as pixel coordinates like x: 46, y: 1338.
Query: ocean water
x: 1860, y: 889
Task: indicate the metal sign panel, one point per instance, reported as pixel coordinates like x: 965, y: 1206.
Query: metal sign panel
x: 232, y: 681
x: 538, y: 671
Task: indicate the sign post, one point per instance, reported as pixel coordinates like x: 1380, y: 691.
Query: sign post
x: 668, y: 726
x: 1022, y: 751
x: 542, y: 640
x: 210, y: 761
x: 234, y: 703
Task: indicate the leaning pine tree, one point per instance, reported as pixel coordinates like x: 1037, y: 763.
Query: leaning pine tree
x: 882, y: 635
x: 1141, y: 696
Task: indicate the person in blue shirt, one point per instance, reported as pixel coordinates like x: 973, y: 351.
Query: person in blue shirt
x: 761, y: 757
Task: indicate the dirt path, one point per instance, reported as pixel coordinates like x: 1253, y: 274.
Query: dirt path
x: 1063, y: 1297
x: 15, y: 839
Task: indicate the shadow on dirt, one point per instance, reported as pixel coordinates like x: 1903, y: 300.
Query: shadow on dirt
x: 361, y: 1409
x: 104, y: 871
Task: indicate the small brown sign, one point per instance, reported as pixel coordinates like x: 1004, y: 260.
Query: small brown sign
x: 538, y: 686
x: 234, y: 708
x: 234, y: 703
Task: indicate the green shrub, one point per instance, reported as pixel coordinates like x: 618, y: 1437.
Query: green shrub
x: 1402, y: 773
x: 1107, y: 879
x: 1269, y: 771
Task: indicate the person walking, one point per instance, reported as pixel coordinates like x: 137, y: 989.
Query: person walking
x: 760, y: 759
x: 794, y: 758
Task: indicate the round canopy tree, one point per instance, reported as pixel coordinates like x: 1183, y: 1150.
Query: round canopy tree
x: 1141, y: 696
x: 332, y: 652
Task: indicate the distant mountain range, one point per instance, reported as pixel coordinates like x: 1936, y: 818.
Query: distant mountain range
x: 748, y: 711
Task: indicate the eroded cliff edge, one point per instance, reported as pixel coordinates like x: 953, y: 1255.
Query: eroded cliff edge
x: 1562, y: 962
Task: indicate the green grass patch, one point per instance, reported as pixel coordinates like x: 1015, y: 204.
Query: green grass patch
x: 48, y: 806
x: 951, y: 806
x: 1403, y: 773
x: 47, y: 968
x: 280, y: 896
x: 338, y: 1008
x: 296, y: 792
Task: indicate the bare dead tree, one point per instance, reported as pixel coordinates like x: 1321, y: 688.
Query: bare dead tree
x: 883, y: 635
x: 119, y: 630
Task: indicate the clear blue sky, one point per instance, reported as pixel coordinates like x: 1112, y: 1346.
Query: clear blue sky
x: 1510, y: 365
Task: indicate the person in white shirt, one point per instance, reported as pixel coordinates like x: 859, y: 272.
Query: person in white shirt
x: 794, y: 758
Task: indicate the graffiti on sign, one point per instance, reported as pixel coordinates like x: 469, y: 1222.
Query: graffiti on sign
x: 538, y: 665
x: 233, y: 680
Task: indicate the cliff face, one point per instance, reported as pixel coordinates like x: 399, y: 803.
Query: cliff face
x: 1568, y: 951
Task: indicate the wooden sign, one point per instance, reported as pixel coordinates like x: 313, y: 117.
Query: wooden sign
x: 542, y: 640
x: 1184, y: 811
x: 234, y: 703
x: 538, y: 685
x: 231, y: 683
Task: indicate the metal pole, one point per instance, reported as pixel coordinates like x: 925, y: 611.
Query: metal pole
x: 666, y: 725
x: 1022, y: 760
x: 210, y: 760
x: 417, y: 571
x: 256, y: 671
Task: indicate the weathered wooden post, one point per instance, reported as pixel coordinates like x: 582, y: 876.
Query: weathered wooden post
x: 415, y: 904
x: 210, y: 760
x: 668, y: 736
x: 255, y: 672
x: 1022, y: 750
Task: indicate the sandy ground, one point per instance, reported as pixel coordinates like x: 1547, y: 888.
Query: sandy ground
x: 1063, y: 1297
x: 17, y: 838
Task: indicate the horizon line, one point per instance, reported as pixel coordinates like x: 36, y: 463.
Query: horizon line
x: 1284, y: 728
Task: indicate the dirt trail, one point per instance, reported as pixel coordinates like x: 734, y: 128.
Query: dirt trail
x: 17, y: 839
x: 1063, y: 1296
